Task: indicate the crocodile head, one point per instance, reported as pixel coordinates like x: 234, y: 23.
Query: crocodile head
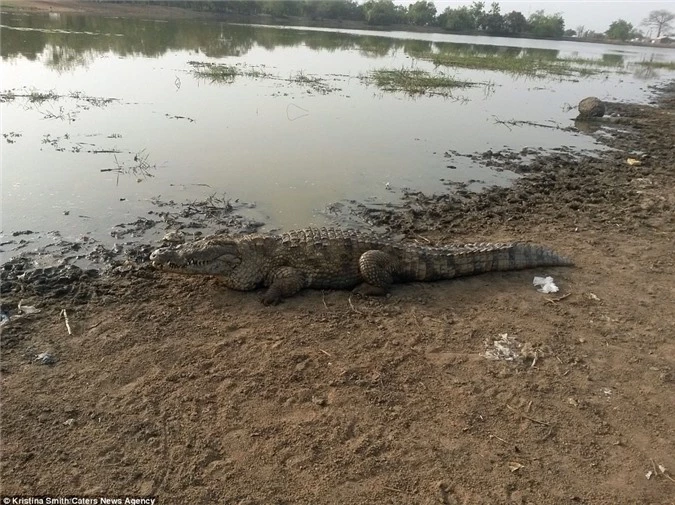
x: 209, y: 256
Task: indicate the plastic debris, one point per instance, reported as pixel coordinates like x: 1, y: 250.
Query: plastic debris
x: 649, y: 474
x: 45, y: 358
x: 514, y: 466
x: 546, y: 283
x: 507, y: 349
x: 633, y: 162
x: 27, y: 309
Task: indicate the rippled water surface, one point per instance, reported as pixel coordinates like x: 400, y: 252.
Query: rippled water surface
x: 105, y: 120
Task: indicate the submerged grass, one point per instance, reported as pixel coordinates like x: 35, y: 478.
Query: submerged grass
x: 415, y: 81
x: 521, y: 65
x: 221, y: 72
x: 667, y: 65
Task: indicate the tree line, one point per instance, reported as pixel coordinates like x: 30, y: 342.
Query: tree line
x: 475, y: 18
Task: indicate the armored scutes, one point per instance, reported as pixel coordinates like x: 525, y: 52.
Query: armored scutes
x: 332, y: 258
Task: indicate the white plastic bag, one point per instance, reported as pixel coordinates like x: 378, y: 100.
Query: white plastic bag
x: 546, y: 283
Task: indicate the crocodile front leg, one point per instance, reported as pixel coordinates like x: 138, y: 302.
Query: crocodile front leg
x: 285, y: 282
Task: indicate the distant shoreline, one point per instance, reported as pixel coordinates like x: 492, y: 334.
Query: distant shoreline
x: 164, y: 12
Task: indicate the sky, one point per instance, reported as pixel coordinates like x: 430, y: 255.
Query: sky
x: 593, y: 15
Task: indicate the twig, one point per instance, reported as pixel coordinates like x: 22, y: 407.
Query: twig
x: 555, y: 300
x: 526, y: 416
x: 548, y: 434
x: 423, y: 238
x: 352, y: 305
x: 323, y: 299
x: 394, y: 489
x: 325, y: 352
x: 65, y: 316
x: 95, y: 325
x: 498, y: 438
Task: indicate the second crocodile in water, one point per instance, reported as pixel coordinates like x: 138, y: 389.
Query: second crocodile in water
x: 332, y: 258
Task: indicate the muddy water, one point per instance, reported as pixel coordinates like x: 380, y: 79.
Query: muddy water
x: 284, y: 152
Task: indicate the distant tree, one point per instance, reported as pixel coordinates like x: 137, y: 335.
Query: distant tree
x: 660, y: 20
x: 382, y: 12
x: 477, y: 10
x: 421, y: 13
x: 457, y: 20
x: 581, y: 31
x: 515, y: 23
x: 281, y: 8
x: 620, y: 30
x: 570, y: 33
x: 330, y: 9
x: 590, y: 34
x: 493, y: 21
x: 546, y: 26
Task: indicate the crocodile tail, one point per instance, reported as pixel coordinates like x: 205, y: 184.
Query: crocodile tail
x: 478, y: 258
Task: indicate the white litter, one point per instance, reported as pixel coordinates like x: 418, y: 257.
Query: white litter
x: 546, y: 283
x: 504, y: 349
x: 27, y: 309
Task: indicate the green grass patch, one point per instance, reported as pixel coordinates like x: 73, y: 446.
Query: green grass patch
x: 521, y: 65
x: 667, y: 65
x: 592, y: 62
x: 220, y: 72
x: 415, y: 82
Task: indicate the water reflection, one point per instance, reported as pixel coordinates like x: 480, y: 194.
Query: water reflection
x: 68, y: 40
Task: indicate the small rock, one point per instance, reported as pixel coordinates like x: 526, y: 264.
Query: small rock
x: 591, y: 107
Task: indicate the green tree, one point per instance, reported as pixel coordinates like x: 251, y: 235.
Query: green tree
x: 421, y: 13
x: 477, y: 10
x: 493, y: 21
x: 661, y: 20
x: 515, y: 23
x: 330, y: 9
x: 546, y: 26
x: 460, y: 19
x: 281, y: 8
x: 382, y: 12
x: 620, y: 30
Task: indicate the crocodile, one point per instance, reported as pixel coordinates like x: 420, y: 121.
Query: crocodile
x: 334, y: 258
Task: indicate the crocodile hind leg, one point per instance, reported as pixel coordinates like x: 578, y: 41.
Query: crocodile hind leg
x: 286, y: 281
x: 377, y: 270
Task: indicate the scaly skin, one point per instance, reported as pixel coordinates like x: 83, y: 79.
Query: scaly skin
x: 340, y: 259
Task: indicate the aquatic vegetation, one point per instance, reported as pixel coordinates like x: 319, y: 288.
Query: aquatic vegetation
x: 415, y: 81
x: 666, y: 65
x: 523, y: 65
x: 224, y: 73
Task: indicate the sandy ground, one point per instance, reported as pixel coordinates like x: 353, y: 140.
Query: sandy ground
x: 176, y: 387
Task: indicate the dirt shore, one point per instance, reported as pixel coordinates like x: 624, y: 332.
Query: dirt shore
x: 166, y: 385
